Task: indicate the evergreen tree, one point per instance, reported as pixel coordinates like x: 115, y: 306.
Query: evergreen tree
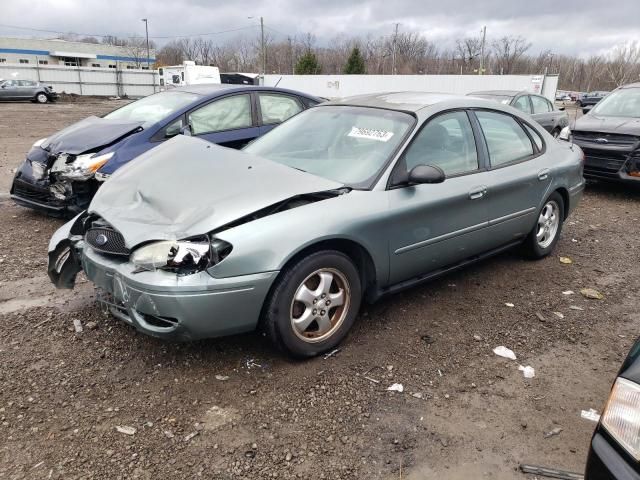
x: 307, y: 64
x: 355, y: 63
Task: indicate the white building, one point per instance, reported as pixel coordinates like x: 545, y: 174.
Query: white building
x: 73, y: 54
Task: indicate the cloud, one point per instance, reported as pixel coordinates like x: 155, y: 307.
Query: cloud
x: 573, y: 27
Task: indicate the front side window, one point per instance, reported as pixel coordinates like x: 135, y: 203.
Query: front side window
x: 277, y: 108
x: 540, y: 105
x: 447, y: 142
x: 621, y: 103
x: 506, y: 140
x: 225, y: 114
x: 350, y: 145
x: 522, y: 104
x: 154, y: 107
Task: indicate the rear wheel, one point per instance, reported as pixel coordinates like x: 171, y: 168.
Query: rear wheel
x: 313, y: 304
x: 546, y: 232
x: 41, y: 97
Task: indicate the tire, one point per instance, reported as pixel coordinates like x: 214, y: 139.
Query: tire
x: 314, y: 278
x: 41, y: 97
x: 546, y: 232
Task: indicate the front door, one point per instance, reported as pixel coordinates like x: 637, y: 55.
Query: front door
x: 436, y: 225
x: 228, y: 121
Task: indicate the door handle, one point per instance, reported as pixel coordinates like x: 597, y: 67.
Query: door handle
x: 544, y: 174
x: 478, y: 192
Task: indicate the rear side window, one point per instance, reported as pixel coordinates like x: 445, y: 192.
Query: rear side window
x: 540, y: 105
x: 536, y: 137
x: 506, y: 140
x: 277, y: 108
x: 522, y: 104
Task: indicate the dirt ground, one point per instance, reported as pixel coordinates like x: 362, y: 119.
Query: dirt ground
x: 235, y: 408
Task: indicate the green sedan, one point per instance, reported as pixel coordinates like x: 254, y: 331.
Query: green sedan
x: 344, y: 203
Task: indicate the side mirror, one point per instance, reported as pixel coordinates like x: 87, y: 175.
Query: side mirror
x: 425, y: 174
x: 586, y: 110
x: 186, y: 130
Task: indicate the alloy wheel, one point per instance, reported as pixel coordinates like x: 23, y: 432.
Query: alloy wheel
x: 320, y: 305
x: 548, y: 223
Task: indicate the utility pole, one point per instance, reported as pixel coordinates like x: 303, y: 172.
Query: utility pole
x: 393, y: 58
x: 484, y: 39
x: 291, y: 55
x: 146, y: 30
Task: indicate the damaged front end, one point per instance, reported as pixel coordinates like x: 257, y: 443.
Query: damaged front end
x: 65, y: 252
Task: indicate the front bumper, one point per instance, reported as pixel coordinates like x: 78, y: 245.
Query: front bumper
x: 605, y: 462
x: 163, y: 304
x: 612, y: 165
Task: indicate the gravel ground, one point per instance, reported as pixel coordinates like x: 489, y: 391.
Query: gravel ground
x: 235, y: 408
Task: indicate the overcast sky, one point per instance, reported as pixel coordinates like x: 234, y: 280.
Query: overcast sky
x: 579, y: 27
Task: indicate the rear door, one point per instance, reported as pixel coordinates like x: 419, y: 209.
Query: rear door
x: 436, y: 225
x: 229, y: 121
x: 518, y: 178
x: 274, y: 108
x: 543, y: 112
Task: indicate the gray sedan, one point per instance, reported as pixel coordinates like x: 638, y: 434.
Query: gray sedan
x: 26, y: 90
x: 348, y: 201
x: 552, y: 119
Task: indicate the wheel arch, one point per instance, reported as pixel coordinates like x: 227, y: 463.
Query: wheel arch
x: 564, y: 193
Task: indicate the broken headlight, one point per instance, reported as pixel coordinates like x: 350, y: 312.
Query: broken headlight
x: 182, y: 257
x: 83, y: 167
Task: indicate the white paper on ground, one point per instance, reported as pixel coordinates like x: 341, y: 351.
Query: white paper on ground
x: 528, y: 371
x: 396, y: 387
x: 590, y: 414
x: 504, y: 352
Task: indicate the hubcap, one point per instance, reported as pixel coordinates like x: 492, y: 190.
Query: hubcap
x: 548, y: 223
x: 320, y: 305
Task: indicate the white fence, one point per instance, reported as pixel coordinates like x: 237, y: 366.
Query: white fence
x: 109, y: 82
x: 335, y: 86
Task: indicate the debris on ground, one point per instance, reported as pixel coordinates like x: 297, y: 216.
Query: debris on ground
x: 554, y: 432
x: 591, y: 293
x: 77, y: 324
x: 251, y: 363
x: 566, y: 260
x: 331, y: 353
x: 190, y: 436
x: 528, y: 371
x: 126, y: 430
x: 222, y: 378
x: 590, y: 414
x: 477, y: 338
x: 428, y: 339
x: 502, y: 351
x: 575, y: 307
x: 396, y: 387
x: 540, y: 317
x: 568, y: 292
x: 509, y: 304
x: 550, y: 472
x: 560, y: 315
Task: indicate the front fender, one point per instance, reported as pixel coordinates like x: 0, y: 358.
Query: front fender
x: 64, y: 251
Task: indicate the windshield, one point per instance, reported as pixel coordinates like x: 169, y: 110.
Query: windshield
x: 346, y: 144
x: 153, y: 108
x: 621, y: 103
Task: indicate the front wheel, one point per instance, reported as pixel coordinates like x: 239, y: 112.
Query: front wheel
x: 41, y: 98
x: 546, y: 232
x: 313, y: 304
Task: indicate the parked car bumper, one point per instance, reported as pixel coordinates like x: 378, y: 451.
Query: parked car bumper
x: 605, y: 462
x: 53, y: 96
x: 32, y: 188
x: 612, y: 166
x: 162, y: 304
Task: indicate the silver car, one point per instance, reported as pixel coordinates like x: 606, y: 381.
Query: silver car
x: 348, y: 201
x: 11, y: 90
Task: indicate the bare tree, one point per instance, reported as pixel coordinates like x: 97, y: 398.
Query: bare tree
x: 508, y: 50
x: 623, y: 63
x: 136, y: 48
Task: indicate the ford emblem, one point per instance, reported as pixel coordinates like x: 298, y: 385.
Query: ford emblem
x: 101, y: 240
x: 602, y: 140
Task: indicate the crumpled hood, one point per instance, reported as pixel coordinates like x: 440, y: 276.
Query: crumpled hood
x: 187, y: 187
x: 89, y: 134
x: 595, y: 123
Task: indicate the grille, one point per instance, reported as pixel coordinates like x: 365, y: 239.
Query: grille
x: 25, y: 191
x: 603, y: 162
x: 106, y: 240
x: 612, y: 139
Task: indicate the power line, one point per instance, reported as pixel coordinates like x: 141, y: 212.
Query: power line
x: 135, y: 36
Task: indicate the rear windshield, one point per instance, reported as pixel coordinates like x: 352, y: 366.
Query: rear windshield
x: 154, y: 108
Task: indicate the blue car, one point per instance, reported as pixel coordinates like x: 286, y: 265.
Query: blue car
x: 62, y: 172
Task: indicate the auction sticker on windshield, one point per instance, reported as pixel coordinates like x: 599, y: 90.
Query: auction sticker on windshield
x: 370, y: 133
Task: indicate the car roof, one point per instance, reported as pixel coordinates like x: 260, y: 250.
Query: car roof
x: 214, y: 89
x: 630, y: 85
x: 403, y: 101
x: 503, y: 93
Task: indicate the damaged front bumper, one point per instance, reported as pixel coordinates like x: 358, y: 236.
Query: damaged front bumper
x: 160, y: 303
x: 34, y: 186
